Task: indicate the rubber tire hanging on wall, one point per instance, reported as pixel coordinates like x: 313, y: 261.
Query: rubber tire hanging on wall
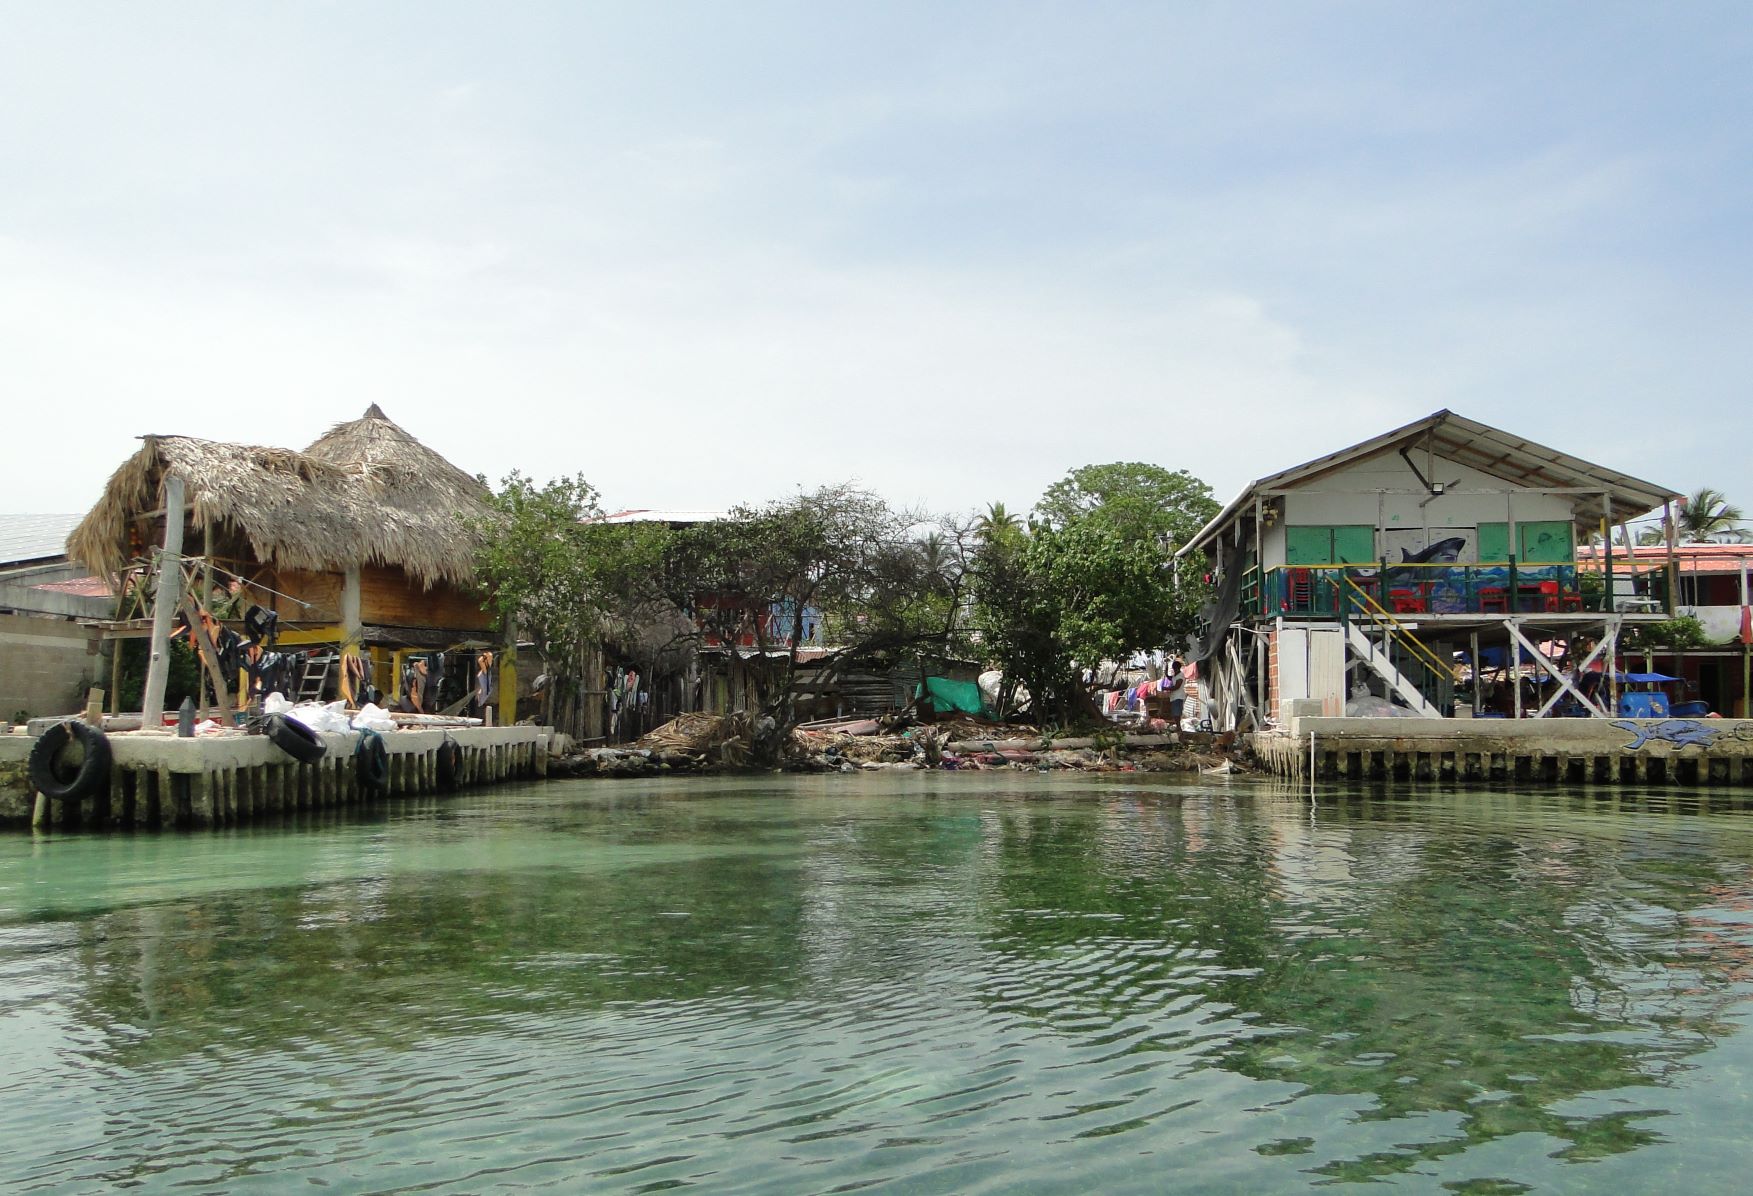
x: 294, y: 738
x: 371, y: 762
x: 62, y: 782
x: 450, y: 764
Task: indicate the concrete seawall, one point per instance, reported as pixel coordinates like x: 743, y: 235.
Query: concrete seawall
x: 160, y: 782
x: 1673, y: 751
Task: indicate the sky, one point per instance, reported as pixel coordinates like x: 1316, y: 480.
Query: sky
x: 704, y: 254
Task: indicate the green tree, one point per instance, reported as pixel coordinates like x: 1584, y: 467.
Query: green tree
x: 182, y: 680
x: 1091, y: 579
x: 563, y: 579
x: 1138, y: 500
x: 1676, y: 634
x: 839, y: 557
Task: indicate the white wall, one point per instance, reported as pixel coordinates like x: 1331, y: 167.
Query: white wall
x: 1311, y: 664
x: 1353, y: 495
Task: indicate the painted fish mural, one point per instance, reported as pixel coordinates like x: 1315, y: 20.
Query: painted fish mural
x: 1681, y: 732
x: 1443, y: 552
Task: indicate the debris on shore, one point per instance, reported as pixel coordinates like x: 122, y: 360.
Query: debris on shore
x: 713, y: 743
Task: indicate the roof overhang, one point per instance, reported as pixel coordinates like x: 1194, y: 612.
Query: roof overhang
x: 1520, y: 462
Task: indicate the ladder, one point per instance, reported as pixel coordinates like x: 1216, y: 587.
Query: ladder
x: 314, y: 678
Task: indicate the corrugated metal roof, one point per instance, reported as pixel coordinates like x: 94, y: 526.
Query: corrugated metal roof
x: 648, y: 516
x: 1521, y: 463
x: 79, y: 587
x: 35, y: 537
x: 1688, y: 558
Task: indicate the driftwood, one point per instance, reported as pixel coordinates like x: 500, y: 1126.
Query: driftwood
x: 723, y: 738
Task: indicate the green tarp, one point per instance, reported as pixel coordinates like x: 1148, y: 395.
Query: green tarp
x: 948, y: 697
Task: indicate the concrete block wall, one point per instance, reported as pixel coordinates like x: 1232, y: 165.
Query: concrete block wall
x: 45, y: 665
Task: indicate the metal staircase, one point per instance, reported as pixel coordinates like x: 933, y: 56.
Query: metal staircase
x: 1404, y: 662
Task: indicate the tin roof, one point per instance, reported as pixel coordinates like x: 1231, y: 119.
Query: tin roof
x: 79, y: 587
x: 1492, y: 451
x: 34, y: 537
x: 1688, y: 558
x: 642, y: 515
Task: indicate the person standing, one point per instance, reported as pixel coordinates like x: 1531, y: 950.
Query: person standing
x: 483, y: 685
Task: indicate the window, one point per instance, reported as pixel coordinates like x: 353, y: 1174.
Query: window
x: 1542, y: 542
x: 1330, y: 544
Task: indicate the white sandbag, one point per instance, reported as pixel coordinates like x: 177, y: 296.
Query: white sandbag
x: 372, y: 717
x: 1374, y: 707
x: 318, y: 717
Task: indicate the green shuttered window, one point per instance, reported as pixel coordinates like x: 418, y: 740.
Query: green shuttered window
x: 1330, y: 544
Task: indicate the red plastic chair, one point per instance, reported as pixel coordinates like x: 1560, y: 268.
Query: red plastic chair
x: 1494, y: 599
x: 1300, y: 589
x: 1406, y: 602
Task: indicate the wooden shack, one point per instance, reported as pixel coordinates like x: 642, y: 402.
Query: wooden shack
x: 365, y: 540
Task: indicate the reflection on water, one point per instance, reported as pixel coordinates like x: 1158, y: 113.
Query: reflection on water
x: 928, y: 984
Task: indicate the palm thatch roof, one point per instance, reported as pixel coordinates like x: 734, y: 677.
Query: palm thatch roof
x: 366, y: 492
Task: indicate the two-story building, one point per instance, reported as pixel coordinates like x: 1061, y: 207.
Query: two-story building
x: 1431, y: 570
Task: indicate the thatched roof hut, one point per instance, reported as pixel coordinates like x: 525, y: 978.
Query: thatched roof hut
x: 366, y: 493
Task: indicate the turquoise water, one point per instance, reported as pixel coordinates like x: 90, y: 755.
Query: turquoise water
x: 915, y: 983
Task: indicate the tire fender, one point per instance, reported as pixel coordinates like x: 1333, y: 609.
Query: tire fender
x: 294, y: 738
x: 371, y: 761
x: 450, y: 764
x: 61, y: 782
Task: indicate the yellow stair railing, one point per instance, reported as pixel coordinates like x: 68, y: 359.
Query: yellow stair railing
x: 1394, y: 630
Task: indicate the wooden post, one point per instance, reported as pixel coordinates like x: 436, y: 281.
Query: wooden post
x: 165, y: 599
x: 209, y: 655
x: 1673, y: 568
x: 116, y: 676
x: 352, y: 631
x: 1515, y: 664
x: 508, y: 676
x: 203, y: 602
x: 1478, y: 690
x: 1744, y: 708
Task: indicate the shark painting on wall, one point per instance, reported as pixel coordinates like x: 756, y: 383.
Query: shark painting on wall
x: 1421, y: 553
x: 1438, y: 546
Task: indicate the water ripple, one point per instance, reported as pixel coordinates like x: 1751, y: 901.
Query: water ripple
x: 949, y: 992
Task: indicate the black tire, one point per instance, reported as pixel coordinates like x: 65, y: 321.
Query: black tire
x: 450, y: 764
x: 294, y: 738
x: 60, y: 780
x: 371, y: 761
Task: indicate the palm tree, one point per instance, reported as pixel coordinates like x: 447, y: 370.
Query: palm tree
x: 1706, y: 514
x: 996, y: 522
x: 936, y: 555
